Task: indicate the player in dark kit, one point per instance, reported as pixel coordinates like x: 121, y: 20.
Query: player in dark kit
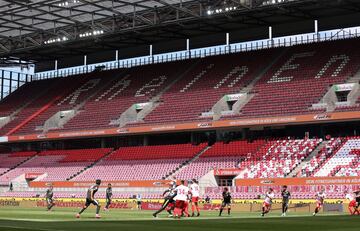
x: 169, y: 201
x: 90, y: 199
x: 357, y: 198
x: 50, y: 198
x: 108, y: 196
x: 285, y: 200
x: 226, y: 201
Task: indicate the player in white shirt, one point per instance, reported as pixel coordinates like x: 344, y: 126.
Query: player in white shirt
x: 195, y: 196
x: 181, y: 197
x: 269, y: 196
x: 351, y: 197
x: 320, y: 197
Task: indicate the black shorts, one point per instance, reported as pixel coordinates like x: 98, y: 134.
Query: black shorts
x: 89, y: 202
x: 139, y: 203
x: 285, y: 203
x: 49, y: 200
x: 226, y: 203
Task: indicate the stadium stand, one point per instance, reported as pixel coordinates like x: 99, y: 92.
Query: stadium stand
x: 207, y: 83
x: 219, y: 156
x: 344, y: 162
x: 277, y: 158
x: 141, y: 163
x: 56, y: 165
x: 301, y: 77
x: 11, y: 160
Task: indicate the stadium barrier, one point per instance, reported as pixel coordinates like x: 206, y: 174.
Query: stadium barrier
x: 279, y: 120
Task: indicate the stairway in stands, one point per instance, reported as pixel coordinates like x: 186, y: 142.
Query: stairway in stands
x: 183, y: 165
x: 90, y: 166
x: 296, y: 170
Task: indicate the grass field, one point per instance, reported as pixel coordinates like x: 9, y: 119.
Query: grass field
x: 62, y: 219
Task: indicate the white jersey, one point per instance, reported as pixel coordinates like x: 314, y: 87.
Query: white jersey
x: 182, y: 193
x: 320, y: 197
x: 350, y: 197
x: 269, y: 197
x: 195, y: 190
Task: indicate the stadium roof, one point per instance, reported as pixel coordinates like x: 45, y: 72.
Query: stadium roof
x: 47, y: 30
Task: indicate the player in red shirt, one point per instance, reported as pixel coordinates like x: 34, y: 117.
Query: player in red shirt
x: 352, y: 203
x: 195, y: 197
x: 320, y: 197
x: 269, y: 196
x: 181, y: 197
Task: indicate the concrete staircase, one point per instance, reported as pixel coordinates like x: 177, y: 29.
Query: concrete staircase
x: 31, y: 157
x: 295, y: 171
x: 185, y: 164
x: 57, y: 121
x: 132, y: 116
x: 90, y: 166
x: 246, y: 91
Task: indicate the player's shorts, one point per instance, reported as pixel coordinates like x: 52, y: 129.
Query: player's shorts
x: 319, y: 204
x: 352, y: 203
x: 49, y: 201
x: 89, y: 202
x: 180, y: 204
x: 195, y: 199
x: 225, y: 203
x: 266, y: 204
x: 138, y: 203
x: 170, y: 206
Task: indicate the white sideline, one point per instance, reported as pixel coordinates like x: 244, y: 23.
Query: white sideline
x: 162, y: 219
x: 27, y: 228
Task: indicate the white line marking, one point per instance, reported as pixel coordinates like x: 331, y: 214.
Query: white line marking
x: 27, y: 228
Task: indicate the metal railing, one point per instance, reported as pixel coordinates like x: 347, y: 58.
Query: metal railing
x: 285, y: 41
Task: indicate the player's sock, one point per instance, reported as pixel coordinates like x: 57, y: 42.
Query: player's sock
x: 98, y: 209
x: 351, y: 211
x: 221, y: 210
x: 82, y: 210
x: 229, y: 209
x: 263, y: 211
x: 193, y: 209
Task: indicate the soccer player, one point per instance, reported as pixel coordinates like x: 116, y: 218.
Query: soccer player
x: 285, y: 200
x: 320, y: 197
x: 90, y: 199
x: 108, y: 196
x: 195, y: 195
x: 352, y: 203
x: 139, y: 201
x: 269, y: 196
x: 169, y: 203
x: 226, y: 201
x: 50, y: 198
x: 357, y: 198
x: 181, y: 197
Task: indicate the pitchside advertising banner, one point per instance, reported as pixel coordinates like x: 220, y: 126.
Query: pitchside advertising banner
x: 116, y: 184
x: 298, y: 181
x: 280, y: 120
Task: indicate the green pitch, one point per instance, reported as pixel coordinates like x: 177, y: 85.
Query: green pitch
x: 64, y: 220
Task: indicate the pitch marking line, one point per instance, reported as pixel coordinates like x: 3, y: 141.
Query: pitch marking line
x: 89, y: 219
x: 27, y: 228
